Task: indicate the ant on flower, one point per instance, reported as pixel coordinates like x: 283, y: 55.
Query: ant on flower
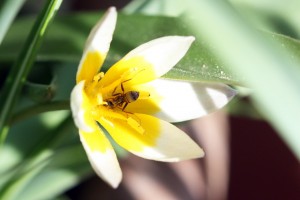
x: 121, y: 100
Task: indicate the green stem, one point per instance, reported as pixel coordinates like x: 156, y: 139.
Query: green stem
x: 20, y: 70
x: 40, y: 108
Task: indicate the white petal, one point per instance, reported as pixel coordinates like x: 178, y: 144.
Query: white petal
x: 172, y: 145
x: 176, y: 101
x: 101, y: 35
x: 159, y: 140
x: 189, y: 100
x: 163, y: 53
x: 104, y: 163
x: 97, y: 46
x: 78, y: 109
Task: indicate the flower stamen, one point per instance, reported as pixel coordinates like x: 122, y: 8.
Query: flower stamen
x: 136, y: 125
x: 98, y: 77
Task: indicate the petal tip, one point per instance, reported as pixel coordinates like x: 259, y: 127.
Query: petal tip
x: 111, y: 13
x: 200, y: 153
x: 110, y: 172
x: 112, y: 9
x: 102, y: 156
x: 190, y: 38
x: 195, y: 152
x: 116, y: 184
x: 101, y: 35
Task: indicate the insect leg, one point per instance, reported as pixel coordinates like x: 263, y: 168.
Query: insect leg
x: 125, y: 105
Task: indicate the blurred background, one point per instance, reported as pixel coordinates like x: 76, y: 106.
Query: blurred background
x: 246, y: 157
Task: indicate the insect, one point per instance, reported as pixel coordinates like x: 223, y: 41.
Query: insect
x: 121, y: 100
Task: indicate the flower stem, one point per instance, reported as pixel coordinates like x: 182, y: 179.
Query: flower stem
x: 22, y: 66
x: 40, y: 108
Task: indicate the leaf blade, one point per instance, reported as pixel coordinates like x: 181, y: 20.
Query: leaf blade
x: 21, y: 68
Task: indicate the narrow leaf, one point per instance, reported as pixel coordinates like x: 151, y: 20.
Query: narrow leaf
x: 26, y: 58
x: 269, y: 68
x: 8, y: 12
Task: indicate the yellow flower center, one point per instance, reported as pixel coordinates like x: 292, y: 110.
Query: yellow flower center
x: 110, y: 102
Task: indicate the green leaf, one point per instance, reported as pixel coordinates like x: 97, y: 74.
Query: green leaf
x: 72, y: 30
x: 19, y: 71
x: 42, y: 158
x: 200, y: 64
x: 269, y: 67
x: 17, y: 184
x: 49, y: 173
x: 275, y: 16
x: 8, y: 12
x: 59, y: 175
x: 155, y: 7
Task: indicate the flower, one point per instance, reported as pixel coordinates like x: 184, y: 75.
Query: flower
x: 127, y: 100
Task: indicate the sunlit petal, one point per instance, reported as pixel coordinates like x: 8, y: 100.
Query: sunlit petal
x: 163, y: 53
x: 150, y: 60
x: 80, y: 107
x: 102, y: 156
x: 152, y: 138
x: 101, y: 35
x: 97, y: 46
x: 176, y: 101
